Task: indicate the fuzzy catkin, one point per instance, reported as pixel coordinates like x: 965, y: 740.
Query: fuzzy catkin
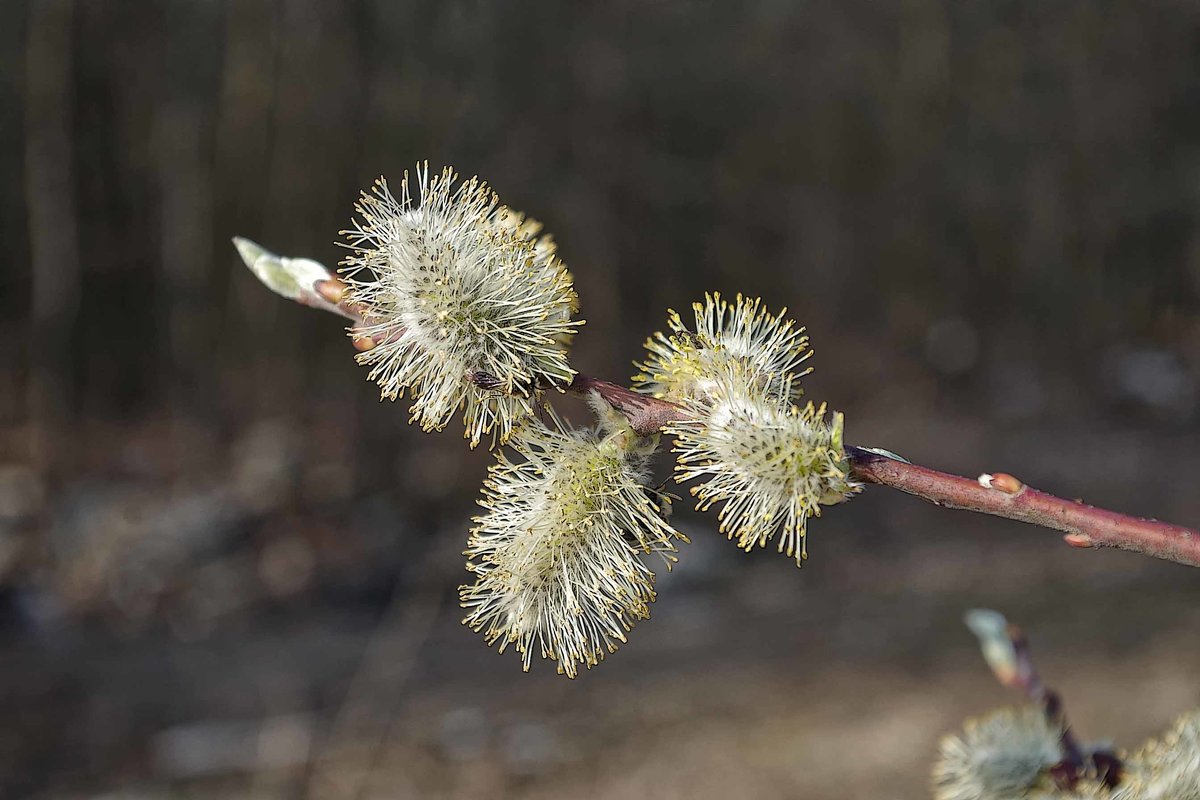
x: 769, y: 463
x: 558, y: 554
x: 683, y: 364
x: 1166, y: 768
x: 1002, y: 756
x: 746, y: 442
x: 450, y: 283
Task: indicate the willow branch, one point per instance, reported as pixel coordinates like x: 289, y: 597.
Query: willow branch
x: 1002, y: 495
x: 999, y: 494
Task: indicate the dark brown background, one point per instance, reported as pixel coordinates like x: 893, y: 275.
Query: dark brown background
x: 227, y: 570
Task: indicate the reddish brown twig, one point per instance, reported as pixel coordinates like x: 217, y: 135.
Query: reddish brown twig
x: 647, y: 415
x: 1068, y: 771
x: 1000, y: 494
x: 1003, y: 495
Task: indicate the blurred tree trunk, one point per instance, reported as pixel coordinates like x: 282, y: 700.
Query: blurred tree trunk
x: 182, y: 145
x: 53, y: 229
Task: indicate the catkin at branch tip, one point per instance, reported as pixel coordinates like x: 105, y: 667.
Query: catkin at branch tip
x: 450, y: 283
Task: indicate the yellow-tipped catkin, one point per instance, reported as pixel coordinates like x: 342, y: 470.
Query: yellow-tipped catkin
x: 683, y: 364
x: 769, y: 462
x: 450, y: 283
x: 558, y: 554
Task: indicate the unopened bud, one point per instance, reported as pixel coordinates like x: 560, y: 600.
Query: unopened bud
x: 294, y: 278
x: 1006, y: 483
x: 995, y: 642
x: 332, y: 290
x: 1001, y: 482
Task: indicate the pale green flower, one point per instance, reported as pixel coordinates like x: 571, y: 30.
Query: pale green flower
x: 558, y: 554
x: 450, y: 283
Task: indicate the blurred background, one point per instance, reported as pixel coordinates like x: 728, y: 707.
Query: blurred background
x: 228, y: 570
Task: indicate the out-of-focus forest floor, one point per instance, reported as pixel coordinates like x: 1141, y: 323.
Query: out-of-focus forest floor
x: 254, y: 629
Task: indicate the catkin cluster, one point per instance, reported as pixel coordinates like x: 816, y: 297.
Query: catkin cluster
x: 464, y: 305
x: 747, y: 443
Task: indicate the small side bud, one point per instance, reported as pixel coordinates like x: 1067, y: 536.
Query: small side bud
x: 1006, y: 483
x: 332, y: 290
x: 1001, y: 482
